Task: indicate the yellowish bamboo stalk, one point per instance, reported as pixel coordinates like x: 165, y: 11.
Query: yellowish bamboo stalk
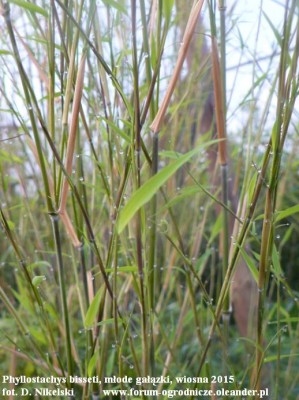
x: 72, y: 134
x: 191, y: 24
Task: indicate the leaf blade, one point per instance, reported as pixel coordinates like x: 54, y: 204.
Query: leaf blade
x: 93, y: 309
x: 287, y: 213
x: 149, y: 188
x: 30, y: 7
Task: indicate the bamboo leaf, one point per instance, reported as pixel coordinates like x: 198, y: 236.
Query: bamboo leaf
x: 92, y: 363
x: 38, y: 335
x: 201, y: 262
x: 11, y: 225
x: 5, y: 53
x: 270, y: 359
x: 257, y: 83
x: 169, y: 154
x: 153, y: 50
x: 167, y: 9
x: 286, y: 236
x: 10, y: 157
x: 275, y: 31
x: 216, y: 228
x: 185, y: 192
x: 276, y: 263
x: 39, y: 264
x: 251, y: 187
x: 38, y: 279
x: 30, y: 7
x: 106, y: 322
x: 117, y: 130
x: 250, y: 264
x: 117, y: 5
x: 150, y: 188
x: 93, y: 309
x: 286, y: 213
x: 274, y: 134
x: 129, y: 268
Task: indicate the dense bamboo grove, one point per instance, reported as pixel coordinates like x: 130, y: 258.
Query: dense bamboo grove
x: 149, y: 216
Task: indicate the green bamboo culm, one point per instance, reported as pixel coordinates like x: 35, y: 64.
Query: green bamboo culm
x: 63, y: 294
x: 287, y: 94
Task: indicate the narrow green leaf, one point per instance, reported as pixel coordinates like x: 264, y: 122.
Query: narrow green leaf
x: 250, y: 264
x: 117, y: 130
x: 154, y: 55
x: 286, y: 236
x: 242, y: 42
x: 169, y: 154
x: 275, y: 132
x: 22, y: 296
x: 6, y: 111
x: 251, y: 187
x: 276, y: 263
x: 283, y: 321
x: 150, y: 188
x: 129, y: 268
x: 167, y: 9
x: 286, y: 213
x: 256, y: 255
x: 8, y: 156
x: 38, y: 335
x: 217, y: 228
x: 92, y: 363
x: 117, y: 5
x: 275, y: 31
x: 250, y: 91
x: 39, y: 264
x: 38, y: 279
x: 201, y: 262
x: 185, y: 192
x: 106, y: 322
x: 11, y: 225
x: 30, y: 7
x: 51, y: 310
x: 270, y: 359
x: 6, y: 53
x: 93, y: 309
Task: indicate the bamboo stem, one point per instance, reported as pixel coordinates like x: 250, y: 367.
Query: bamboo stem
x: 63, y: 294
x: 72, y: 134
x: 191, y: 24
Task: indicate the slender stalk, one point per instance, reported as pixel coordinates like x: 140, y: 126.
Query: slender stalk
x: 26, y: 88
x: 223, y: 161
x: 136, y: 173
x: 63, y: 294
x: 191, y: 24
x: 51, y: 107
x: 154, y: 285
x: 72, y: 133
x: 219, y: 83
x: 232, y: 263
x: 153, y: 276
x: 278, y: 361
x: 285, y: 103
